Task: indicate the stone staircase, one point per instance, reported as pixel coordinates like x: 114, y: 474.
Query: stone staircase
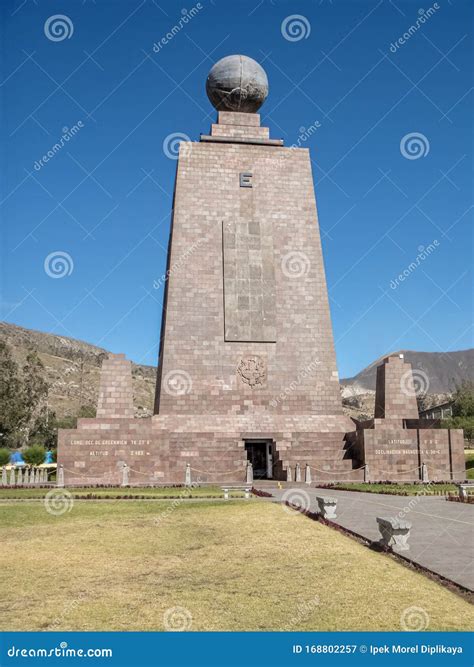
x: 330, y: 457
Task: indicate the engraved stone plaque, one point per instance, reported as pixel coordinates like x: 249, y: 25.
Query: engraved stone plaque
x: 252, y: 370
x: 249, y: 282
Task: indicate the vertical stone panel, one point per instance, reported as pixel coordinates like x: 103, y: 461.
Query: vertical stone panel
x: 249, y: 282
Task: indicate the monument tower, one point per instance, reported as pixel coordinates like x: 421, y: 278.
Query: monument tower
x: 247, y: 380
x: 247, y: 313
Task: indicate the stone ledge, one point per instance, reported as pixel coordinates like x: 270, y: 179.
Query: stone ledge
x: 241, y: 140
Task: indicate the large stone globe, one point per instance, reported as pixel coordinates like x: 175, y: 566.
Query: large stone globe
x: 237, y: 83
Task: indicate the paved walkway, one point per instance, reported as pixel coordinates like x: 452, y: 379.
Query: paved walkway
x: 442, y: 534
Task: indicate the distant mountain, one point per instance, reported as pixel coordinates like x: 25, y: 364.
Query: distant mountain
x: 72, y: 370
x: 445, y: 370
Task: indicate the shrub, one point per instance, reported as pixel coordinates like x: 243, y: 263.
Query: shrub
x: 34, y: 455
x: 4, y: 456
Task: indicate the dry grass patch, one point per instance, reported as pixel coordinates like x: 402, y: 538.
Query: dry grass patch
x: 234, y: 566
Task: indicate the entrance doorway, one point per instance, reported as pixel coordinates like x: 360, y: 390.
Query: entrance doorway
x: 259, y: 453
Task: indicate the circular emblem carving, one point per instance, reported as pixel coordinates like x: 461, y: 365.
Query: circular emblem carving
x: 252, y: 370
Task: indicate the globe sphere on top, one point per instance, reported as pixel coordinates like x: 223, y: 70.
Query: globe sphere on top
x: 237, y: 83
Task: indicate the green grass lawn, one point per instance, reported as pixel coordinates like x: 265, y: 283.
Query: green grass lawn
x: 216, y: 566
x: 398, y: 489
x: 113, y: 492
x: 411, y: 489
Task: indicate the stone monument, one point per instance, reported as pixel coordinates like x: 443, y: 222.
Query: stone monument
x: 247, y: 375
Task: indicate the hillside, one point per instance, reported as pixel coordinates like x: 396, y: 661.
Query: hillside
x: 72, y: 371
x: 445, y: 370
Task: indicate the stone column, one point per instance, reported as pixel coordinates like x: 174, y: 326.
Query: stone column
x: 269, y: 461
x: 19, y: 481
x: 60, y: 476
x: 307, y: 474
x: 424, y: 473
x: 249, y: 475
x: 4, y: 477
x: 366, y: 473
x: 115, y: 388
x: 125, y: 475
x: 187, y: 476
x: 297, y: 473
x: 395, y: 395
x: 12, y: 476
x: 289, y: 476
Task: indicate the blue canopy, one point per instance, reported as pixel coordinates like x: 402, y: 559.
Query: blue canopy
x: 17, y: 459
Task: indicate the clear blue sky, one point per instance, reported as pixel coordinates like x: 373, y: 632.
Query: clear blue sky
x: 105, y: 197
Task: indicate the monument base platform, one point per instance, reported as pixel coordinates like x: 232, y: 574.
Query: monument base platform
x: 260, y: 443
x: 217, y: 449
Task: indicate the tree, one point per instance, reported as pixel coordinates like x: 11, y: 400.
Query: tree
x: 463, y: 410
x: 23, y: 399
x: 464, y: 400
x: 13, y: 412
x: 87, y: 411
x: 4, y: 456
x: 45, y: 429
x: 35, y: 391
x: 34, y: 455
